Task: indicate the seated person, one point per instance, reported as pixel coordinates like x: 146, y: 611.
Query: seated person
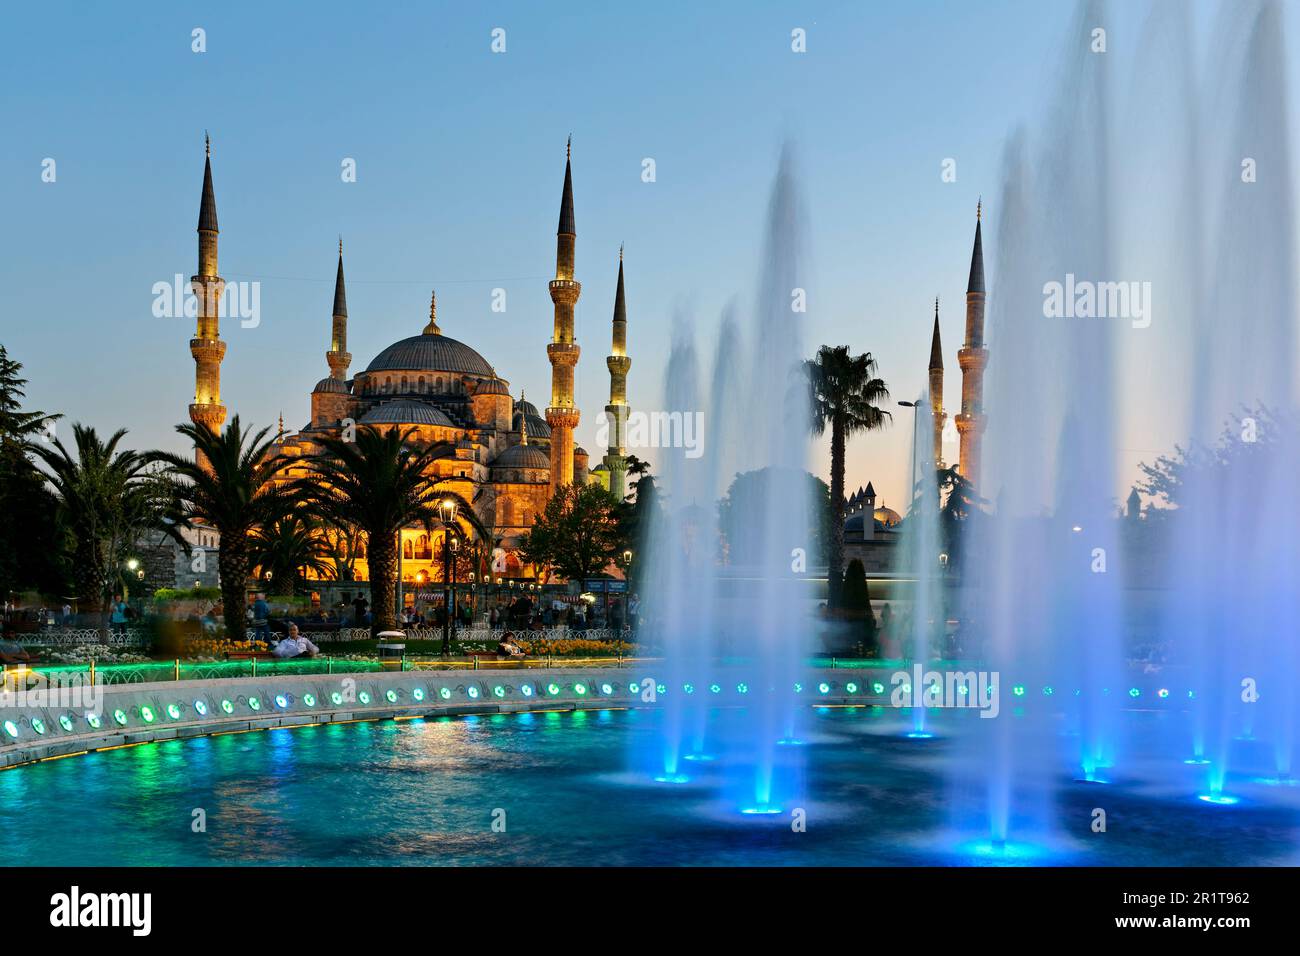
x: 11, y: 652
x: 507, y: 649
x: 294, y: 645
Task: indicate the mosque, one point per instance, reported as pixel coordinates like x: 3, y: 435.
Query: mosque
x: 510, y: 457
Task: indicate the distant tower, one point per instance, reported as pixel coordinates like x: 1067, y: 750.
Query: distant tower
x: 563, y: 351
x: 936, y: 388
x: 338, y: 356
x: 973, y: 357
x: 616, y: 411
x: 206, y: 346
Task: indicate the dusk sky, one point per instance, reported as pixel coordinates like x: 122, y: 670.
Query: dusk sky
x: 460, y: 159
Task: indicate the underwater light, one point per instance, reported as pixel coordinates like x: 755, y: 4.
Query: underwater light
x: 1048, y: 691
x: 672, y: 778
x: 11, y: 728
x: 254, y: 704
x: 281, y: 701
x: 878, y: 687
x: 688, y: 688
x: 66, y: 722
x: 227, y: 706
x: 200, y: 708
x: 174, y: 711
x: 580, y: 689
x: 93, y: 720
x: 445, y: 693
x: 336, y: 698
x: 1191, y: 695
x: 471, y: 692
x: 798, y: 688
x: 1196, y: 761
x: 763, y: 809
x: 1162, y: 693
x: 607, y: 689
x: 552, y: 689
x: 661, y: 689
x: 120, y: 716
x: 38, y: 725
x: 1219, y: 799
x: 364, y: 696
x: 634, y: 688
x: 391, y: 695
x: 824, y: 687
x: 1134, y: 692
x: 851, y: 687
x: 526, y: 690
x: 1018, y: 690
x: 499, y: 690
x: 147, y: 714
x: 742, y: 688
x: 920, y: 735
x: 715, y: 689
x: 309, y: 700
x: 418, y: 693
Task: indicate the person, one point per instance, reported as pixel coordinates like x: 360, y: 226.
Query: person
x: 494, y: 617
x: 261, y: 618
x: 117, y: 615
x: 293, y: 645
x: 67, y: 614
x: 359, y: 605
x: 11, y: 652
x: 507, y: 649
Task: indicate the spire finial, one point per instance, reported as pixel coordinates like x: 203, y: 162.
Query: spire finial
x: 568, y: 148
x: 936, y: 306
x: 340, y: 244
x: 979, y: 204
x: 207, y: 144
x: 523, y: 427
x: 620, y: 252
x: 281, y: 433
x: 432, y: 327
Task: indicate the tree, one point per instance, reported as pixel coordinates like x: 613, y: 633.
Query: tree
x: 845, y: 395
x: 229, y: 486
x: 288, y: 546
x: 857, y: 597
x: 636, y: 515
x: 748, y: 496
x: 106, y: 501
x: 30, y: 549
x: 577, y: 535
x: 380, y: 483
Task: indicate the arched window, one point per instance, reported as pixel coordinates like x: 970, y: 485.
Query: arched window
x: 420, y: 385
x: 403, y: 383
x: 406, y: 549
x: 438, y: 384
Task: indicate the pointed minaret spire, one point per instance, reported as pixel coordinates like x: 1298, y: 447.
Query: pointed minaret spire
x: 338, y: 356
x: 973, y: 358
x: 936, y: 349
x: 616, y: 411
x: 280, y: 433
x: 432, y: 327
x: 562, y: 414
x: 206, y: 347
x: 937, y: 415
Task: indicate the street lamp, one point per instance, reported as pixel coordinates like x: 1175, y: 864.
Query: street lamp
x: 448, y: 509
x: 912, y: 489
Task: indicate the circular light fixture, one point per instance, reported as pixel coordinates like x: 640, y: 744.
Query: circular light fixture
x: 227, y: 706
x: 878, y: 687
x: 38, y: 725
x: 742, y: 688
x: 661, y: 688
x: 499, y: 691
x: 715, y: 689
x: 1162, y: 693
x: 200, y: 708
x: 607, y: 689
x: 364, y: 696
x: 445, y: 693
x: 1048, y: 691
x: 66, y: 722
x: 824, y: 688
x: 526, y: 690
x: 391, y: 695
x: 1134, y: 692
x: 472, y: 692
x: 552, y: 689
x: 120, y: 716
x: 798, y: 688
x: 689, y: 688
x: 309, y: 700
x: 147, y: 714
x: 634, y: 688
x: 336, y: 698
x: 851, y: 687
x: 94, y: 720
x: 281, y: 701
x: 418, y: 693
x: 580, y: 689
x: 1018, y: 690
x: 254, y: 704
x: 11, y: 728
x: 174, y: 711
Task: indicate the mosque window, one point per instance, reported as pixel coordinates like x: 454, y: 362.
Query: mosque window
x: 406, y: 550
x: 419, y: 385
x: 438, y: 384
x: 403, y: 383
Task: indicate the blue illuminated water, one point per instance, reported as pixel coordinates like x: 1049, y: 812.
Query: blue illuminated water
x: 425, y: 792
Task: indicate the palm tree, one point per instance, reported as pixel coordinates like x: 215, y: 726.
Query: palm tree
x: 845, y: 394
x: 228, y: 486
x: 105, y: 501
x: 380, y: 483
x: 287, y: 547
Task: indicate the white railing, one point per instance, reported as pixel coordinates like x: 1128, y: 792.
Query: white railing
x: 75, y: 636
x: 481, y: 634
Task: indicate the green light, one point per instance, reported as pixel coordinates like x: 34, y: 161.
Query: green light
x: 661, y: 689
x: 499, y: 690
x: 472, y: 692
x: 227, y: 706
x: 200, y: 708
x: 309, y: 700
x: 1047, y: 691
x: 391, y: 694
x: 526, y: 690
x: 1134, y: 692
x: 824, y: 687
x: 851, y: 687
x: 689, y: 688
x: 1162, y: 693
x: 336, y: 698
x: 38, y: 725
x: 742, y: 688
x: 798, y: 688
x: 254, y: 704
x: 634, y: 688
x: 715, y: 689
x: 174, y: 711
x: 66, y: 722
x: 281, y: 701
x: 552, y: 689
x: 11, y: 728
x: 120, y: 716
x: 878, y: 687
x: 418, y: 693
x: 93, y: 720
x: 580, y: 689
x: 607, y: 689
x: 147, y: 714
x: 364, y: 697
x: 445, y: 693
x: 1018, y: 690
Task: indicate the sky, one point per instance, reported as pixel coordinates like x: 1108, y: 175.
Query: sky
x: 459, y: 155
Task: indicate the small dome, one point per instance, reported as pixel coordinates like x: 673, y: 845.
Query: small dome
x: 887, y: 516
x: 430, y: 353
x: 331, y: 385
x: 581, y: 451
x: 600, y: 467
x: 492, y: 386
x: 537, y: 427
x: 406, y: 412
x: 528, y: 408
x: 522, y: 456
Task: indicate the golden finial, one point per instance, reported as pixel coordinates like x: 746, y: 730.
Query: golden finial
x: 432, y: 327
x: 281, y: 432
x: 207, y: 144
x: 523, y: 426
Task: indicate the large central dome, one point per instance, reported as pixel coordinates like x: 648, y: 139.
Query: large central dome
x: 430, y: 353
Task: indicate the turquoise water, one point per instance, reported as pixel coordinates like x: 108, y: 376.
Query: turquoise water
x: 424, y: 792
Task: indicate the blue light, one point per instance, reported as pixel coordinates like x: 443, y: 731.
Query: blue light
x: 1218, y: 799
x: 688, y: 688
x: 1134, y: 692
x: 607, y: 689
x: 634, y: 688
x: 798, y: 688
x: 1048, y: 691
x: 763, y: 809
x: 661, y: 689
x: 200, y: 708
x: 1018, y: 690
x: 418, y: 694
x: 526, y: 690
x: 742, y: 688
x: 824, y: 687
x: 715, y: 689
x: 472, y: 692
x: 281, y: 701
x: 672, y: 778
x: 920, y: 735
x: 1162, y: 693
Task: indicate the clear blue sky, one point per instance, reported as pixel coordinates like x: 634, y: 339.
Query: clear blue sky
x: 460, y: 157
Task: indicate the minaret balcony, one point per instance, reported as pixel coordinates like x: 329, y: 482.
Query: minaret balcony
x: 563, y: 353
x: 212, y: 350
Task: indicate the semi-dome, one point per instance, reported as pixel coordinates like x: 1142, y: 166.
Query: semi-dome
x: 406, y: 413
x: 537, y: 427
x: 331, y: 385
x: 522, y: 456
x: 430, y: 353
x: 492, y: 386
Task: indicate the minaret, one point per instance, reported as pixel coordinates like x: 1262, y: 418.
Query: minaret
x: 206, y: 346
x: 936, y: 389
x: 616, y: 411
x: 972, y: 358
x: 563, y: 351
x: 338, y: 356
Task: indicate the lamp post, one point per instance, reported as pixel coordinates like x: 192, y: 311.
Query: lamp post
x: 911, y: 491
x: 448, y: 509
